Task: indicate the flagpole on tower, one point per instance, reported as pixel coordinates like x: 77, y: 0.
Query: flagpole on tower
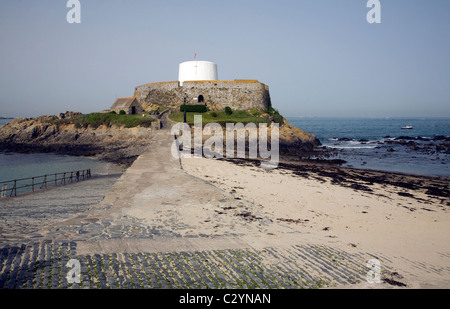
x: 196, y: 66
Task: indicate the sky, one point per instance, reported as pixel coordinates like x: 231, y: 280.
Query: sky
x: 320, y: 58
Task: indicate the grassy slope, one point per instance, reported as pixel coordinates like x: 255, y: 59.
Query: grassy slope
x: 221, y: 117
x: 96, y: 119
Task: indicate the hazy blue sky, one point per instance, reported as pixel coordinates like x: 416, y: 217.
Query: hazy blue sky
x: 319, y: 57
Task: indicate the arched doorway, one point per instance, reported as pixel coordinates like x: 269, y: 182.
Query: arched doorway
x: 201, y: 99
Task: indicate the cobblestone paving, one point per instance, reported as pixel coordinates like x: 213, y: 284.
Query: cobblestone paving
x: 44, y: 266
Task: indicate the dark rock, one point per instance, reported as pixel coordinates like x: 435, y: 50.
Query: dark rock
x: 66, y: 115
x: 394, y: 282
x: 405, y: 138
x: 441, y: 138
x: 438, y: 192
x: 405, y: 194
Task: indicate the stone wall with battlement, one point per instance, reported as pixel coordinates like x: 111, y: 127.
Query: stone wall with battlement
x: 237, y: 94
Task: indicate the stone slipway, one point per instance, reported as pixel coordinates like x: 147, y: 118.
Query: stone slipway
x: 155, y: 199
x: 156, y: 206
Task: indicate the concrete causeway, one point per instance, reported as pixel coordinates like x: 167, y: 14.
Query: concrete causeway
x: 156, y: 226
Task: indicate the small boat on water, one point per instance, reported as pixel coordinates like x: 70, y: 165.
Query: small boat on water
x: 407, y: 128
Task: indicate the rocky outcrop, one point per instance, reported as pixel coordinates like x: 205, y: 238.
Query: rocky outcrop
x: 296, y: 143
x: 114, y: 144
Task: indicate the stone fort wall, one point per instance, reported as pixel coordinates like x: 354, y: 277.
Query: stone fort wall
x: 237, y: 94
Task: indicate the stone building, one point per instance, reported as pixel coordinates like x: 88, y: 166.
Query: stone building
x: 129, y: 105
x: 198, y: 84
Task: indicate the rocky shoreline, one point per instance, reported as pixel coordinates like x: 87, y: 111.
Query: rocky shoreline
x: 113, y: 144
x: 363, y: 180
x: 116, y: 144
x: 435, y: 145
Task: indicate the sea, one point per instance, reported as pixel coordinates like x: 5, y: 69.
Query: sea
x: 15, y: 166
x: 383, y: 143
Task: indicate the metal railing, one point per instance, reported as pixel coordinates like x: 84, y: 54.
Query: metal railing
x: 18, y: 186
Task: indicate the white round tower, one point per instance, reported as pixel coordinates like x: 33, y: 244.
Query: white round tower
x: 197, y: 70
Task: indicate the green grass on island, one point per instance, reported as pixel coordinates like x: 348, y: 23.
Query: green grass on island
x: 222, y: 117
x: 94, y: 120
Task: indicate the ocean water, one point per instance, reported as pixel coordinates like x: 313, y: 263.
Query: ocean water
x: 3, y: 121
x: 24, y: 165
x: 382, y: 144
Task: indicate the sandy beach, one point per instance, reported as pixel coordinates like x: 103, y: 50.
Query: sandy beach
x: 403, y: 217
